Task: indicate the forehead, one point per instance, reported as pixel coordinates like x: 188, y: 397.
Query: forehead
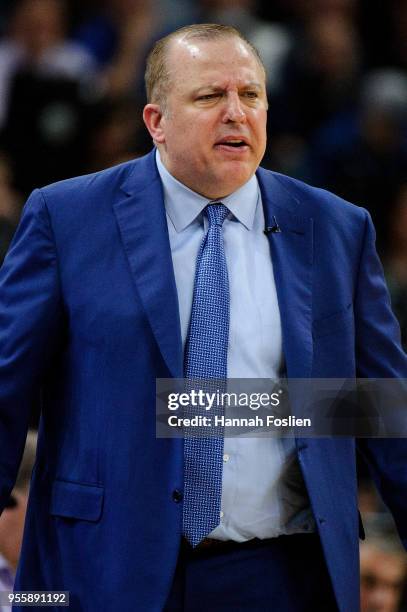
x: 196, y: 62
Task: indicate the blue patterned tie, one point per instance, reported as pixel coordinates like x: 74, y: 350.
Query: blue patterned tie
x: 206, y: 357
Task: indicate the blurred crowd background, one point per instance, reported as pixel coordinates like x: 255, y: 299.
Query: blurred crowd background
x: 71, y: 97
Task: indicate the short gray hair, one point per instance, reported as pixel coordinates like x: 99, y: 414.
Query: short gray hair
x: 157, y: 77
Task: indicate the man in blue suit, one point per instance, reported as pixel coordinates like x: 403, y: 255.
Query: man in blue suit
x: 105, y: 289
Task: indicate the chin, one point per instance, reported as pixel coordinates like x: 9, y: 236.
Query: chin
x: 235, y: 177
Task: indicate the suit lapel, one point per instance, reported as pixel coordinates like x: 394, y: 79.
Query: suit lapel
x: 292, y: 255
x: 142, y: 221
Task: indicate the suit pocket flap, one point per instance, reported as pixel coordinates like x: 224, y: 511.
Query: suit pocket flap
x: 74, y: 500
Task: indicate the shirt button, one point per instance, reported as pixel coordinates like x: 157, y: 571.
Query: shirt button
x: 221, y: 514
x: 177, y: 496
x: 226, y: 457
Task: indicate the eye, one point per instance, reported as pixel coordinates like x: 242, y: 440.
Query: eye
x: 251, y: 94
x: 211, y: 96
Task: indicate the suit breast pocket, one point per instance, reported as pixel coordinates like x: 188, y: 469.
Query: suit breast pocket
x: 334, y: 323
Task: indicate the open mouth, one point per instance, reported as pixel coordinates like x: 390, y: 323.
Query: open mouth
x: 232, y: 144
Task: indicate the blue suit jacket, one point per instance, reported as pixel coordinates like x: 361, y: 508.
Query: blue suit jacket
x: 89, y: 318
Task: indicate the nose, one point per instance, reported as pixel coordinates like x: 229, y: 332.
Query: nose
x: 234, y: 111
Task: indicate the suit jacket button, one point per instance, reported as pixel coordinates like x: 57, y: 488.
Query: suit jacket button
x: 177, y: 496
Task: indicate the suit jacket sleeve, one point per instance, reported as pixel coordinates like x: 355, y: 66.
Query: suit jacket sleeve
x: 30, y: 313
x: 379, y: 355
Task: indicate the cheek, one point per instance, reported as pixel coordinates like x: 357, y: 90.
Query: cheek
x: 260, y: 123
x: 183, y: 138
x: 261, y: 130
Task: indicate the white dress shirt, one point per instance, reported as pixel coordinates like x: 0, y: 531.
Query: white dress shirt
x: 263, y: 494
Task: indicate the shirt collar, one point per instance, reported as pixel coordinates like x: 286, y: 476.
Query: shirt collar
x: 183, y: 205
x: 4, y: 564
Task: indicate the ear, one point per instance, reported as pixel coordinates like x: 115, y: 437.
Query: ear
x: 153, y: 118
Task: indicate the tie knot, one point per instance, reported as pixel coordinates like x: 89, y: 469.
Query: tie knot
x: 216, y: 213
